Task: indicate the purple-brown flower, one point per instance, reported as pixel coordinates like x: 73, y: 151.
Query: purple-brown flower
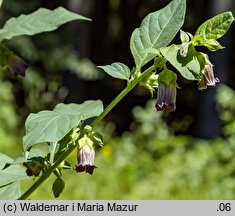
x: 208, y: 78
x: 166, y: 98
x: 166, y: 95
x: 17, y: 65
x: 86, y: 155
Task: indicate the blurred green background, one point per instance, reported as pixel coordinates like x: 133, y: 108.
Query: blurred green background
x: 188, y: 154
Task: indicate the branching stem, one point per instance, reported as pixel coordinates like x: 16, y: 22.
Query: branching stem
x: 63, y: 156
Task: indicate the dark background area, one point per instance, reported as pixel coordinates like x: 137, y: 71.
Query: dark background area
x: 106, y: 40
x: 148, y: 148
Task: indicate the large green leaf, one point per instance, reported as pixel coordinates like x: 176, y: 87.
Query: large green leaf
x: 42, y: 20
x: 157, y: 30
x: 11, y: 174
x: 189, y: 66
x: 117, y: 70
x: 215, y: 27
x: 52, y: 126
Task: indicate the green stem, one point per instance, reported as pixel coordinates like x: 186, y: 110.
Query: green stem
x: 125, y: 91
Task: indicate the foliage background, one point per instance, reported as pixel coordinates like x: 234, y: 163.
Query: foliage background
x: 188, y: 154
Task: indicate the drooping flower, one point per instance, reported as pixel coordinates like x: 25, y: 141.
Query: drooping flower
x: 208, y: 78
x: 166, y: 95
x: 86, y: 156
x: 17, y: 65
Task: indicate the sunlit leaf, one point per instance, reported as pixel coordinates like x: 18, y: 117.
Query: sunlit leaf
x: 157, y: 30
x: 11, y: 174
x: 184, y: 37
x: 52, y: 126
x: 10, y: 191
x: 4, y: 159
x: 117, y: 70
x: 42, y: 20
x: 48, y: 126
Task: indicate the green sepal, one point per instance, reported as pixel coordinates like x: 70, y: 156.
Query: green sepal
x: 190, y: 66
x: 150, y: 82
x: 184, y: 48
x: 215, y: 27
x: 184, y: 37
x: 97, y: 138
x: 168, y: 77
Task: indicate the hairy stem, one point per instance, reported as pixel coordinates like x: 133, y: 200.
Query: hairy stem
x: 125, y: 91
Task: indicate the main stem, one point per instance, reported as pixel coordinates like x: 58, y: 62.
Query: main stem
x: 123, y: 93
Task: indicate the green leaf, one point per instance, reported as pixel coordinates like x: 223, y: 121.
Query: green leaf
x: 189, y: 66
x: 4, y: 159
x: 9, y: 184
x: 215, y: 27
x: 52, y: 126
x: 42, y: 20
x: 58, y: 187
x: 117, y: 70
x: 10, y: 191
x: 11, y: 173
x: 1, y: 2
x: 184, y: 37
x: 157, y: 30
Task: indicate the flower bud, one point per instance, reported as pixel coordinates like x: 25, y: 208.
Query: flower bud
x: 166, y: 98
x: 17, y: 65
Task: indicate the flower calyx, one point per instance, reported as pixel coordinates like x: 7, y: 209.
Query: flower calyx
x: 85, y: 156
x: 208, y: 78
x: 34, y: 166
x: 86, y: 152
